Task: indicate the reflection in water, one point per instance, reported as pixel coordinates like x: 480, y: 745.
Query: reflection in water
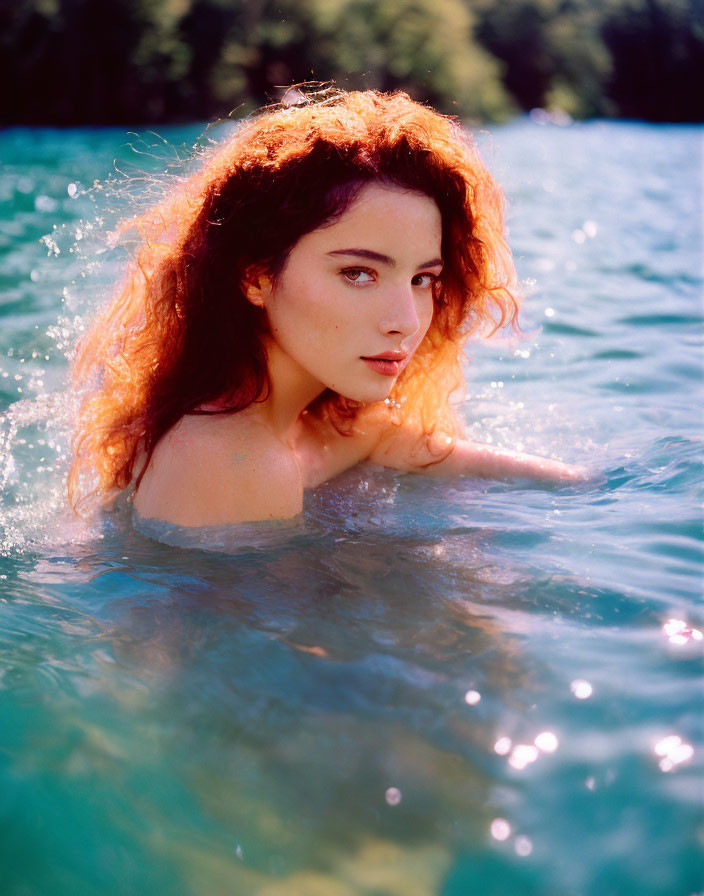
x: 307, y: 702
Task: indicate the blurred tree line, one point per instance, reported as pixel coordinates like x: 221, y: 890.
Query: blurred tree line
x: 149, y: 61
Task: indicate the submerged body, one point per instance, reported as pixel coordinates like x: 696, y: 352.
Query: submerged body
x: 210, y: 471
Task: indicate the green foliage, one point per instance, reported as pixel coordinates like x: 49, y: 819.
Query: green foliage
x: 658, y: 52
x: 141, y: 61
x: 425, y: 47
x: 628, y: 58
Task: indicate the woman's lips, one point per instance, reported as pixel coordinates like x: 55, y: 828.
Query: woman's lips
x: 390, y: 364
x: 386, y: 368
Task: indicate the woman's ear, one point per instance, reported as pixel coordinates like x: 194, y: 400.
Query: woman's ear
x: 257, y: 287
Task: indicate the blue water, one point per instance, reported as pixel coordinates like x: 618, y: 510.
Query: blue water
x: 351, y: 706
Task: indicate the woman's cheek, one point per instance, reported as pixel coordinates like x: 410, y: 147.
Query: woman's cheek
x: 426, y: 319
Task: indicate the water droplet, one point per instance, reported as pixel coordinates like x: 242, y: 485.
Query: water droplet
x: 523, y: 846
x: 393, y: 796
x: 45, y: 204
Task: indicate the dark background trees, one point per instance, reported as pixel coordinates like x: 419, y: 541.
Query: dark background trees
x: 150, y: 61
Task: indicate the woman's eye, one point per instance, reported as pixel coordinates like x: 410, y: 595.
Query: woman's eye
x: 357, y: 275
x: 424, y: 280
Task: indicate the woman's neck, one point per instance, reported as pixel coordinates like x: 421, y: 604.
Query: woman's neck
x: 292, y: 390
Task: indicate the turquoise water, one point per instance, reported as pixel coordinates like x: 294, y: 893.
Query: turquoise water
x: 352, y: 706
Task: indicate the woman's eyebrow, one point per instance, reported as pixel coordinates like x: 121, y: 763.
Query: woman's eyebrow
x: 365, y: 253
x: 433, y: 263
x: 384, y: 259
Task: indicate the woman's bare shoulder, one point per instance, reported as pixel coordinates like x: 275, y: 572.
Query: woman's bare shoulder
x: 219, y: 469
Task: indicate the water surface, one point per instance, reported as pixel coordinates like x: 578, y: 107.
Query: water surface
x: 352, y: 706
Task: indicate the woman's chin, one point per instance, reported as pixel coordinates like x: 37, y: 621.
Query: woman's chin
x: 367, y: 395
x: 367, y: 388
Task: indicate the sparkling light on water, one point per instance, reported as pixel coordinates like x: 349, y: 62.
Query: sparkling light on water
x: 679, y: 633
x: 663, y: 747
x: 503, y: 746
x: 500, y: 829
x: 546, y: 742
x: 673, y: 751
x: 521, y: 587
x: 581, y: 689
x: 522, y: 755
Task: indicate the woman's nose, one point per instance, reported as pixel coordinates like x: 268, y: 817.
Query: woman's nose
x: 401, y: 314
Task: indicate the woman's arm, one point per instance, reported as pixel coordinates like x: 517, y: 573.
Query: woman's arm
x: 470, y: 458
x: 411, y: 451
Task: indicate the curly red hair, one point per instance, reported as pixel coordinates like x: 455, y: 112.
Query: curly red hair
x: 180, y: 336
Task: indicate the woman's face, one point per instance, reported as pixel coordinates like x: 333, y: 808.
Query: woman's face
x: 355, y: 299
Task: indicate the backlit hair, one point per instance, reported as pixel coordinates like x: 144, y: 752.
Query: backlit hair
x: 180, y: 337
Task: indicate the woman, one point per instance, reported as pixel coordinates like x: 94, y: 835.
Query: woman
x: 296, y: 307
